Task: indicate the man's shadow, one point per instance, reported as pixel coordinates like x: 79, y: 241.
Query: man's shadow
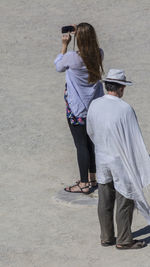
x: 143, y: 231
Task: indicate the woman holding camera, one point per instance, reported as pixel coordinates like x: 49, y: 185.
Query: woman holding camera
x: 83, y: 74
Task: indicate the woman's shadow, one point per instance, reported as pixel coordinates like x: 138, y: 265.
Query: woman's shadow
x: 143, y: 231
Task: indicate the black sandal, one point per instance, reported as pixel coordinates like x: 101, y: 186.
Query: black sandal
x: 78, y: 191
x: 94, y: 186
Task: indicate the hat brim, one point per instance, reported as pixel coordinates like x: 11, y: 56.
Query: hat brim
x: 119, y: 82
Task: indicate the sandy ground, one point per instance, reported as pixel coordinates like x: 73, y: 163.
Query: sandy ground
x: 37, y: 153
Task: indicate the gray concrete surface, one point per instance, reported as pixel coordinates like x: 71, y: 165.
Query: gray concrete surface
x: 37, y: 154
x: 78, y: 199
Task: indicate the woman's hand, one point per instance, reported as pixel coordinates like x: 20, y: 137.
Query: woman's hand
x: 66, y: 38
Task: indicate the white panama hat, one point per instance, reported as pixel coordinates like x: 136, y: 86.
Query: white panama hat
x: 117, y: 76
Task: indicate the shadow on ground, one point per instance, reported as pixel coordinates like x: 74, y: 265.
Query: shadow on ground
x: 143, y: 231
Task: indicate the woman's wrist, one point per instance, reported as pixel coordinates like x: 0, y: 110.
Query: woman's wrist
x: 64, y: 48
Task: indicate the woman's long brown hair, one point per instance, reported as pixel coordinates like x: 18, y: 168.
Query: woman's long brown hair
x: 89, y: 51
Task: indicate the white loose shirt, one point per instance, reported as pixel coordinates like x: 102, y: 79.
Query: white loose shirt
x: 120, y: 152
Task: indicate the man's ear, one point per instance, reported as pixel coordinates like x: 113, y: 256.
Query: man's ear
x: 120, y: 91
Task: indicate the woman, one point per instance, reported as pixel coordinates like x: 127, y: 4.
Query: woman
x: 83, y: 74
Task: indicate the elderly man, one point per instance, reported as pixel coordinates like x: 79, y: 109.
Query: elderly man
x: 122, y: 162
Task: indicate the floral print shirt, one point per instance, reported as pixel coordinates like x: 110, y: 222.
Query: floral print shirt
x: 73, y: 120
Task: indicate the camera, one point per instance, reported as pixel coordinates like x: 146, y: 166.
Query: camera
x: 66, y: 29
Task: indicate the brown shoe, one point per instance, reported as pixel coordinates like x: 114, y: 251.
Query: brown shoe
x: 136, y: 244
x: 108, y: 243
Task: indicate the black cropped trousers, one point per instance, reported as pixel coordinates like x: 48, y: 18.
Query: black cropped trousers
x: 85, y: 150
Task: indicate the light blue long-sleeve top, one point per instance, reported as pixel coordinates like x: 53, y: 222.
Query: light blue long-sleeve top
x: 80, y: 92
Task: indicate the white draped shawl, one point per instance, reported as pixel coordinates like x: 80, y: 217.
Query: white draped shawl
x: 119, y: 147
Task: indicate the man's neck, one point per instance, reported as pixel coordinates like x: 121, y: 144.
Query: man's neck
x: 118, y: 93
x: 113, y: 93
